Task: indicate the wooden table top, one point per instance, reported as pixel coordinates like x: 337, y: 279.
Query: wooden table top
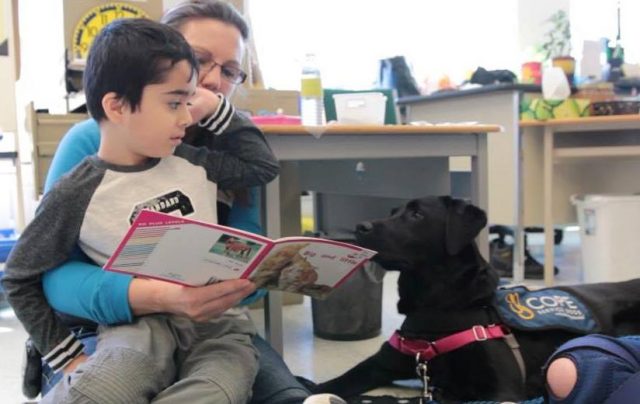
x: 377, y: 129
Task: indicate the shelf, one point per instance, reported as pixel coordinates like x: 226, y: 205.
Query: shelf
x: 606, y: 151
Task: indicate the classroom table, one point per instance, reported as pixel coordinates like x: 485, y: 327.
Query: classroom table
x: 393, y: 144
x: 594, y: 138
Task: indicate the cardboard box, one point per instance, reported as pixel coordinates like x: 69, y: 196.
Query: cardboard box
x: 538, y: 109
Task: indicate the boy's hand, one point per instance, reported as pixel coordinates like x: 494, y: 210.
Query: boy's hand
x: 74, y: 364
x: 203, y: 104
x: 199, y: 304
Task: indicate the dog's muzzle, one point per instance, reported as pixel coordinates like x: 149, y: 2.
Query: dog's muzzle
x: 364, y: 228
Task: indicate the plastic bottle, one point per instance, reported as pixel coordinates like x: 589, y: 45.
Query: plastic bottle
x: 311, y: 99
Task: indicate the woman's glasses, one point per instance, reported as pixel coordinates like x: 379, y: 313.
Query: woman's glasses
x: 230, y: 73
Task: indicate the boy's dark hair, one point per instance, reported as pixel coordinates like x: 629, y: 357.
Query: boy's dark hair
x: 129, y: 54
x: 198, y: 9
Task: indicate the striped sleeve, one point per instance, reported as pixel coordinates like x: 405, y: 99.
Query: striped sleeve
x: 63, y: 353
x: 219, y: 120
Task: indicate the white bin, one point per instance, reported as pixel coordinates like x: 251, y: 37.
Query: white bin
x: 610, y: 236
x: 360, y: 108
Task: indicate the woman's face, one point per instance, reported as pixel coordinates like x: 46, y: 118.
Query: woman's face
x: 216, y: 45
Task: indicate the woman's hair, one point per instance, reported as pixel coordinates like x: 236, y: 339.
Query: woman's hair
x: 198, y: 9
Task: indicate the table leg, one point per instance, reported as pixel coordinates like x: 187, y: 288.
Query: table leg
x: 480, y: 188
x: 273, y: 300
x: 518, y: 231
x: 548, y: 207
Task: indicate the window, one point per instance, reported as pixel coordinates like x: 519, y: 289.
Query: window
x: 596, y: 19
x: 349, y: 37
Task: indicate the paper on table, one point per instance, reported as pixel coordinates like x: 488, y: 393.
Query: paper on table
x: 555, y: 85
x: 426, y: 123
x: 590, y: 63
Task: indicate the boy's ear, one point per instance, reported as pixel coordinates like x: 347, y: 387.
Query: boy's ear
x: 113, y: 106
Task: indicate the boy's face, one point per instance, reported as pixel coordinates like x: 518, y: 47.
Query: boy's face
x: 158, y: 125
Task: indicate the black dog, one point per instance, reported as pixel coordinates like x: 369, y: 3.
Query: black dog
x: 445, y: 288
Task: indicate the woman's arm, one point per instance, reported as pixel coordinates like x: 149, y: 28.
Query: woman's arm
x: 246, y: 216
x: 82, y: 140
x: 110, y: 298
x: 235, y: 153
x: 99, y: 295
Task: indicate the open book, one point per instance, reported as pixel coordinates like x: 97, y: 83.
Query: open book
x: 194, y: 253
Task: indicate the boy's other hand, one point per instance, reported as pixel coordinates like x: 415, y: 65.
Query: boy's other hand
x: 199, y: 304
x: 203, y: 104
x: 74, y: 364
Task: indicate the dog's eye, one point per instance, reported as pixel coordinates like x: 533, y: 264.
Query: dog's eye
x: 417, y: 215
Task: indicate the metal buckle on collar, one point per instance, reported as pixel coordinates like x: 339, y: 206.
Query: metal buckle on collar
x: 479, y: 333
x: 401, y: 342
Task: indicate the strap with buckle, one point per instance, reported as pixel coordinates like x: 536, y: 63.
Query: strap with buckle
x: 430, y: 349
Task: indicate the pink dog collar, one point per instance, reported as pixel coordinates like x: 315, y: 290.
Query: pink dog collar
x: 427, y: 350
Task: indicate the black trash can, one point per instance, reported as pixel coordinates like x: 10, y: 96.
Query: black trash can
x: 353, y: 311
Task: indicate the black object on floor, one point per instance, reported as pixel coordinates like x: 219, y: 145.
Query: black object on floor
x: 362, y: 294
x: 32, y: 371
x: 501, y: 253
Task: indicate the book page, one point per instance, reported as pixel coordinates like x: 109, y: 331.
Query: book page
x: 184, y: 251
x: 190, y: 252
x: 308, y: 265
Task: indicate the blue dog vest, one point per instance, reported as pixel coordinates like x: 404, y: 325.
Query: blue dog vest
x: 543, y: 309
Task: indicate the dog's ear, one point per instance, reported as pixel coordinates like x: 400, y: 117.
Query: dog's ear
x: 464, y: 222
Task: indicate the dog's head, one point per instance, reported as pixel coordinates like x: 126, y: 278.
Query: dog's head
x: 423, y: 231
x: 431, y: 240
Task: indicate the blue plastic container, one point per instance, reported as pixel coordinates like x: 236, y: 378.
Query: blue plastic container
x: 7, y: 241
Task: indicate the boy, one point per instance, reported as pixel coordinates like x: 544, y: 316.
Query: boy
x: 138, y: 80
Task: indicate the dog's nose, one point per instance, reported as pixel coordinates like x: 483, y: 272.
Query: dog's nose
x: 364, y: 227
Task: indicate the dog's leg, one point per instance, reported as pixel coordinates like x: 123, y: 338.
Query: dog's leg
x: 378, y: 370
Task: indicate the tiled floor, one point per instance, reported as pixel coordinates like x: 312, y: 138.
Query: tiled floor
x: 314, y: 358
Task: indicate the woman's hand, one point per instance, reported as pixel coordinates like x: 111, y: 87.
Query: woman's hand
x: 204, y: 103
x: 71, y: 366
x: 200, y: 303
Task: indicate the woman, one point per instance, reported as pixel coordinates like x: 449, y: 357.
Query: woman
x: 217, y: 34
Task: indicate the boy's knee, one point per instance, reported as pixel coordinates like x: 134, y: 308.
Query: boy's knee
x: 561, y: 377
x: 123, y: 376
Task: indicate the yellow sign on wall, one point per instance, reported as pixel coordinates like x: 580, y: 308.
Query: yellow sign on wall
x: 83, y: 19
x: 95, y: 19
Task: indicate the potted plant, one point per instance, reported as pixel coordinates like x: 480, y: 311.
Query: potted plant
x: 557, y: 44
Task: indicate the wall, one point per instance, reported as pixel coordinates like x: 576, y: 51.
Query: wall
x: 532, y: 16
x: 9, y: 201
x: 7, y: 70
